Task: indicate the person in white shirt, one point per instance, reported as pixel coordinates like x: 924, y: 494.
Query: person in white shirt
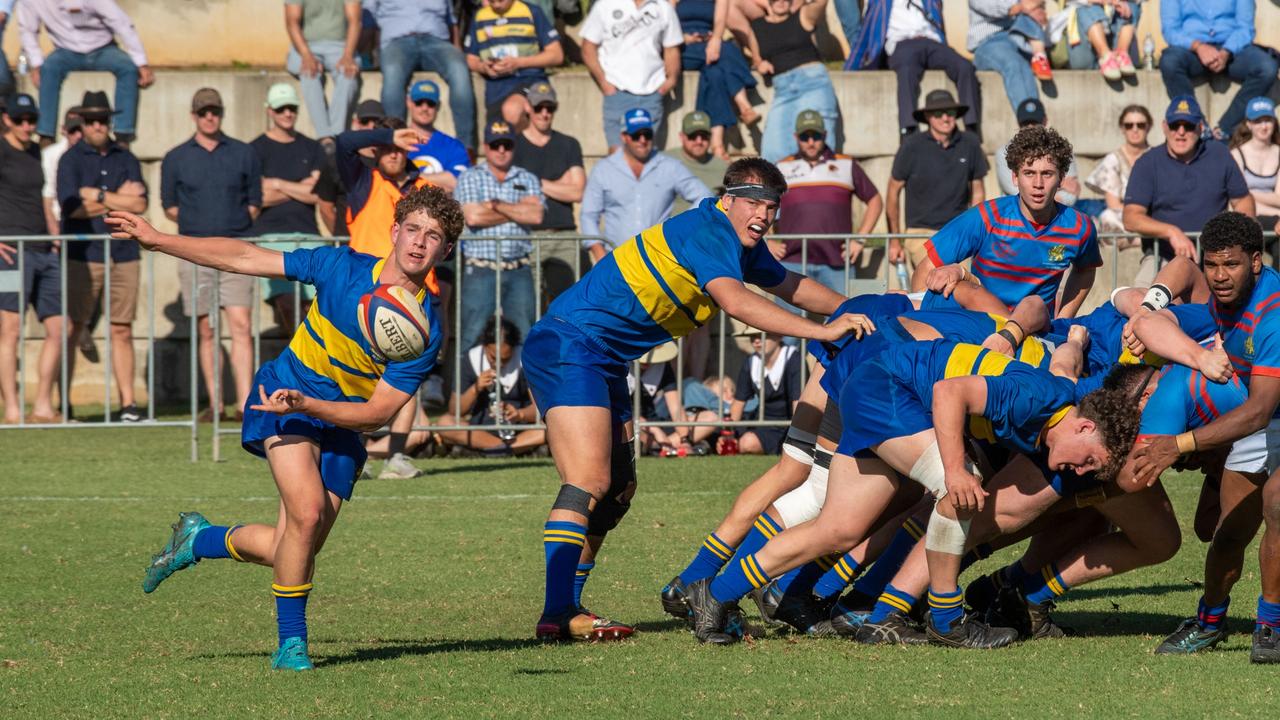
x: 72, y: 131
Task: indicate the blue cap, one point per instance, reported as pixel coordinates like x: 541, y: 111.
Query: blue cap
x: 635, y: 120
x: 20, y: 105
x: 424, y: 90
x: 1185, y: 108
x: 1260, y: 107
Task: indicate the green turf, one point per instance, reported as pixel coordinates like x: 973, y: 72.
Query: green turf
x: 428, y: 591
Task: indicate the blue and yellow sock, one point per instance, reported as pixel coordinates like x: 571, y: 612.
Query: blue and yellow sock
x: 1268, y: 614
x: 712, y: 556
x: 761, y: 532
x: 291, y: 610
x: 214, y: 542
x: 877, y: 577
x: 562, y: 544
x: 979, y: 552
x: 738, y: 579
x: 580, y: 581
x: 945, y: 609
x: 1013, y: 575
x: 834, y: 581
x: 892, y: 599
x: 1048, y: 585
x: 1211, y: 617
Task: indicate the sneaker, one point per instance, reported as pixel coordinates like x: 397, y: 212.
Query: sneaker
x: 895, y: 629
x: 1191, y: 637
x: 1040, y: 67
x: 850, y: 611
x: 982, y: 593
x: 1125, y: 62
x: 1110, y: 68
x: 1266, y: 645
x: 710, y: 616
x: 673, y: 603
x: 177, y: 553
x: 972, y: 633
x: 292, y: 655
x: 580, y: 624
x: 399, y: 467
x: 130, y: 414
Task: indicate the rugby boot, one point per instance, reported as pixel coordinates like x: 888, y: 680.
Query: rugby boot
x: 972, y: 633
x: 710, y: 616
x: 850, y: 611
x: 1266, y: 645
x: 1191, y: 637
x: 177, y: 552
x: 1033, y: 621
x: 981, y: 594
x: 673, y: 603
x: 895, y: 629
x: 582, y: 624
x: 796, y: 612
x: 767, y: 605
x: 292, y: 655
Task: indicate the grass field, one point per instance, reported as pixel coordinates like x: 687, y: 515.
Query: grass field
x: 428, y: 591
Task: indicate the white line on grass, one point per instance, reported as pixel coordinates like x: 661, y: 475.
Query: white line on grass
x: 276, y: 498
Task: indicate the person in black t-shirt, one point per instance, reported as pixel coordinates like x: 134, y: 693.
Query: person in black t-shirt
x: 775, y: 367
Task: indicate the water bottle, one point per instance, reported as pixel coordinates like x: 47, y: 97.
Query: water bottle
x: 728, y: 444
x: 1149, y: 52
x: 904, y: 283
x: 505, y: 434
x: 23, y: 64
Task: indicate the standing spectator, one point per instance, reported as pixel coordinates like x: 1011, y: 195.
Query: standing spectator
x: 7, y: 84
x: 330, y: 192
x: 697, y: 154
x: 291, y: 165
x: 633, y: 188
x: 211, y: 185
x: 1178, y: 186
x: 1031, y: 112
x: 771, y: 377
x: 556, y: 160
x: 96, y: 176
x: 724, y: 74
x: 22, y: 213
x: 440, y: 157
x: 911, y: 37
x: 511, y: 44
x: 83, y: 35
x: 822, y: 186
x: 500, y: 201
x: 942, y: 172
x: 72, y: 131
x: 1007, y: 36
x: 1214, y: 37
x: 632, y: 49
x: 1255, y: 146
x: 423, y: 35
x: 1091, y: 26
x: 782, y: 46
x: 323, y: 35
x: 1111, y: 176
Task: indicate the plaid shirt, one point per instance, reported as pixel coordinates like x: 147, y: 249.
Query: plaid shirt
x: 477, y: 185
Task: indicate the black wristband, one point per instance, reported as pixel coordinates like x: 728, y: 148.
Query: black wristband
x: 1004, y: 333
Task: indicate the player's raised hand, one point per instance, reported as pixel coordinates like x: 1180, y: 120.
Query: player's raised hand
x: 280, y: 402
x: 127, y: 226
x: 943, y: 280
x: 965, y: 492
x: 856, y: 324
x: 1214, y: 363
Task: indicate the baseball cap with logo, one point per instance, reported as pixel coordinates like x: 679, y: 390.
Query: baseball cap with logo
x: 425, y: 90
x: 541, y: 93
x: 1260, y: 107
x: 1030, y: 110
x: 635, y: 120
x: 281, y: 95
x: 810, y: 121
x: 205, y: 98
x: 696, y: 121
x: 1185, y: 108
x: 21, y: 105
x: 498, y: 130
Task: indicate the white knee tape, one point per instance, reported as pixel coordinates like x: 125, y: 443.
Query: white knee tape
x: 799, y: 445
x: 805, y: 502
x: 946, y: 535
x: 928, y: 471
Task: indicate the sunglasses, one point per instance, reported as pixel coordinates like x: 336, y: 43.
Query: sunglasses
x: 700, y: 135
x: 96, y: 121
x: 1141, y: 125
x: 811, y: 137
x: 943, y: 113
x: 24, y: 120
x: 502, y: 145
x: 1182, y: 126
x: 547, y: 108
x: 428, y: 103
x: 287, y: 109
x: 206, y: 112
x: 641, y: 135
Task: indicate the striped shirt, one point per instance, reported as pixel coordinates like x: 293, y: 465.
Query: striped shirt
x: 523, y: 31
x: 478, y: 185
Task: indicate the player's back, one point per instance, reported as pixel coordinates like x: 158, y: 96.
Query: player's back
x: 1184, y: 399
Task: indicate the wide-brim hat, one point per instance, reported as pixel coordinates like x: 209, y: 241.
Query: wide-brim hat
x: 939, y: 100
x: 665, y: 352
x: 95, y: 104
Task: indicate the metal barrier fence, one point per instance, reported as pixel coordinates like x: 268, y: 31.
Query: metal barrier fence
x: 857, y: 279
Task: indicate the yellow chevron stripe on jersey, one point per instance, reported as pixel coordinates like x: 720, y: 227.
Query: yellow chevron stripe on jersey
x: 666, y: 290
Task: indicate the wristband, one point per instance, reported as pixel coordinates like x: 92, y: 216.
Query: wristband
x: 1117, y: 291
x: 1157, y: 298
x: 1018, y: 325
x: 1186, y: 442
x: 1004, y: 333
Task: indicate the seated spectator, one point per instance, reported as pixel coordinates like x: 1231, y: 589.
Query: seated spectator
x: 1007, y: 36
x: 488, y: 398
x: 1031, y: 112
x: 633, y: 188
x: 724, y: 75
x: 83, y: 35
x: 501, y: 201
x: 420, y: 36
x: 782, y: 46
x: 511, y: 44
x: 697, y: 155
x: 1099, y: 35
x: 1111, y: 176
x: 440, y: 158
x: 1214, y: 37
x: 823, y: 186
x: 330, y: 192
x: 660, y: 401
x: 911, y: 37
x: 1255, y: 146
x: 291, y: 165
x: 771, y: 376
x: 1178, y: 186
x: 22, y: 213
x: 323, y: 35
x: 632, y: 50
x: 96, y: 176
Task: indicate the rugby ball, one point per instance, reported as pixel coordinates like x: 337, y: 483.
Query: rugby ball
x: 394, y: 323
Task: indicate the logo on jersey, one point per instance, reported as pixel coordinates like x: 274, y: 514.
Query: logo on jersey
x: 1057, y: 253
x: 1248, y: 346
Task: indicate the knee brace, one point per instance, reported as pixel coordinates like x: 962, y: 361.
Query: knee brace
x: 574, y: 498
x: 799, y: 445
x: 805, y: 502
x: 622, y: 485
x: 946, y: 535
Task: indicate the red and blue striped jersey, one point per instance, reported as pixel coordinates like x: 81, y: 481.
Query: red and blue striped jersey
x: 1012, y: 257
x: 1185, y: 400
x: 1251, y: 331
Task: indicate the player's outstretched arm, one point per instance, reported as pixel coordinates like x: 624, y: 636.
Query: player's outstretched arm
x: 366, y: 416
x: 734, y: 298
x: 953, y: 401
x: 805, y: 292
x: 1160, y: 333
x: 227, y: 254
x: 972, y: 296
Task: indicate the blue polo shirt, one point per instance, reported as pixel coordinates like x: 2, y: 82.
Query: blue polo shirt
x: 1185, y: 194
x: 212, y: 190
x: 83, y: 166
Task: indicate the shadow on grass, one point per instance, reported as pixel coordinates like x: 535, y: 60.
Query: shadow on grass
x: 659, y: 626
x: 1117, y: 623
x: 392, y: 649
x: 1090, y: 593
x: 481, y: 466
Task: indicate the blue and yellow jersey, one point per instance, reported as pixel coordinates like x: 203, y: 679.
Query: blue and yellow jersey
x: 1106, y: 334
x: 1184, y: 400
x: 523, y: 31
x: 328, y: 357
x: 653, y: 288
x: 880, y: 308
x: 1251, y: 332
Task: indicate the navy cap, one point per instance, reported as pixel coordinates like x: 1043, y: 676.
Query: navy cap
x: 20, y: 105
x: 1185, y: 108
x: 498, y: 130
x: 1030, y: 110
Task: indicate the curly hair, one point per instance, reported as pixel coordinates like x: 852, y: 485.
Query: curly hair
x: 438, y: 205
x: 1117, y: 417
x: 1037, y: 141
x: 755, y: 169
x: 1230, y: 229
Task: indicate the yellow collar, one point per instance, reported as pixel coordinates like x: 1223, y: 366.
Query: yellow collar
x: 1053, y: 420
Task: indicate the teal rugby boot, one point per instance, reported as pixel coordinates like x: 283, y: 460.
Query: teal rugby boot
x: 177, y: 553
x: 292, y: 655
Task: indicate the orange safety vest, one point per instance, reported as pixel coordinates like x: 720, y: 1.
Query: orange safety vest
x: 370, y: 229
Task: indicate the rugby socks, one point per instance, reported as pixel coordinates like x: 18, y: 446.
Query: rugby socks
x: 1211, y: 617
x: 876, y: 579
x: 834, y: 581
x: 738, y: 579
x: 761, y: 532
x: 580, y: 581
x: 291, y: 610
x: 712, y: 556
x: 1048, y: 585
x: 562, y: 543
x: 945, y: 609
x: 980, y: 552
x: 1268, y: 614
x: 1013, y: 575
x: 802, y: 579
x: 891, y: 600
x: 214, y: 542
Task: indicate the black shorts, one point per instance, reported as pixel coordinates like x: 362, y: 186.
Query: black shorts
x: 41, y: 280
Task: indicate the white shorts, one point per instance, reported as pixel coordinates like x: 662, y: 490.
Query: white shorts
x: 1257, y: 453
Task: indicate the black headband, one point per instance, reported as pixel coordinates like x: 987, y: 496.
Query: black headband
x: 754, y: 191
